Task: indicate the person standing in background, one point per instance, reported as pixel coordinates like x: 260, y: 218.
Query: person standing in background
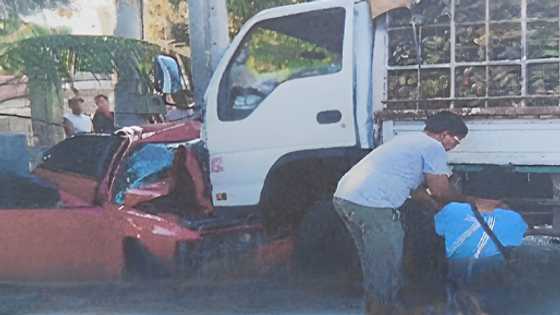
x: 76, y: 121
x: 104, y: 118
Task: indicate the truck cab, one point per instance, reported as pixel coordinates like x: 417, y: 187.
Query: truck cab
x: 288, y: 109
x: 283, y: 93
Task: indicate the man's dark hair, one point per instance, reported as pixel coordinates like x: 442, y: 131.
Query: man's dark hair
x: 98, y: 96
x: 446, y: 121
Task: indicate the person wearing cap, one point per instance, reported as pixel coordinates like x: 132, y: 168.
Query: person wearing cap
x: 76, y: 121
x: 370, y: 195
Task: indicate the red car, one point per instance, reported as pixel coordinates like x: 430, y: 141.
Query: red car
x: 102, y: 207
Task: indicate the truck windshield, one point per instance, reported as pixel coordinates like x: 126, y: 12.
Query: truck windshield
x: 278, y: 50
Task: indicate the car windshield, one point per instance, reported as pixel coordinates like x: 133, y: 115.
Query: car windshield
x: 146, y: 165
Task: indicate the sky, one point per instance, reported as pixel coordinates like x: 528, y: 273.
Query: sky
x: 84, y: 17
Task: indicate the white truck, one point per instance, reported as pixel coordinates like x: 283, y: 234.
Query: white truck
x: 304, y: 91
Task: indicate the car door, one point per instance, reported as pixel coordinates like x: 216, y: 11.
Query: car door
x: 64, y: 244
x: 286, y: 85
x: 52, y: 229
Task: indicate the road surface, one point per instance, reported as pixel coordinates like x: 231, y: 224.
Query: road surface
x: 256, y: 297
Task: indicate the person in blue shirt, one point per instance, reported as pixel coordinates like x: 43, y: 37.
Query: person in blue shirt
x: 469, y: 249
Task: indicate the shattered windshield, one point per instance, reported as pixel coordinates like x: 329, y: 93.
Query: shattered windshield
x: 147, y: 164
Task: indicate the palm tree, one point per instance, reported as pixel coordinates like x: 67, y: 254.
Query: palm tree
x: 48, y: 61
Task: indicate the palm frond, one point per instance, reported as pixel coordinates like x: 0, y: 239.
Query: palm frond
x: 59, y: 57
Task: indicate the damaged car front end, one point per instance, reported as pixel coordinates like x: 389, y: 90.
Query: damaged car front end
x: 130, y: 205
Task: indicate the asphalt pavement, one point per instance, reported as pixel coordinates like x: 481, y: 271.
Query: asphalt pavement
x: 249, y: 296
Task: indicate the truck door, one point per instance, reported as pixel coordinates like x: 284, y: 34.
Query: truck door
x: 285, y: 85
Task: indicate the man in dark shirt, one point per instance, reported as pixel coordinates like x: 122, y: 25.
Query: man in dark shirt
x: 103, y: 119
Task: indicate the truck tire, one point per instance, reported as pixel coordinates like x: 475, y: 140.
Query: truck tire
x: 324, y: 246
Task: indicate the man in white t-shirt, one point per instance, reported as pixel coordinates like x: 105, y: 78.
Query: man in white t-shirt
x: 369, y: 195
x: 76, y: 121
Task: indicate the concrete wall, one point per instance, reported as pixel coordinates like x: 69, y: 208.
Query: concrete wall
x: 14, y: 156
x: 15, y: 124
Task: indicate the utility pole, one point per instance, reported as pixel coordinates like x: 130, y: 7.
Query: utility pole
x: 209, y: 38
x: 127, y: 96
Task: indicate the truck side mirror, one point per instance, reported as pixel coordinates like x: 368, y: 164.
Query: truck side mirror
x: 168, y: 75
x: 169, y: 81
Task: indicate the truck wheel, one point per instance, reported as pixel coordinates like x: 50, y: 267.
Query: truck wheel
x: 324, y: 246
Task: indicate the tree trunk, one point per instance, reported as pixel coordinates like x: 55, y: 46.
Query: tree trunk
x: 47, y: 109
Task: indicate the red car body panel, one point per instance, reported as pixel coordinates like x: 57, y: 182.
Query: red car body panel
x: 82, y: 188
x: 67, y: 244
x: 194, y: 168
x: 84, y: 240
x: 159, y: 234
x: 171, y: 132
